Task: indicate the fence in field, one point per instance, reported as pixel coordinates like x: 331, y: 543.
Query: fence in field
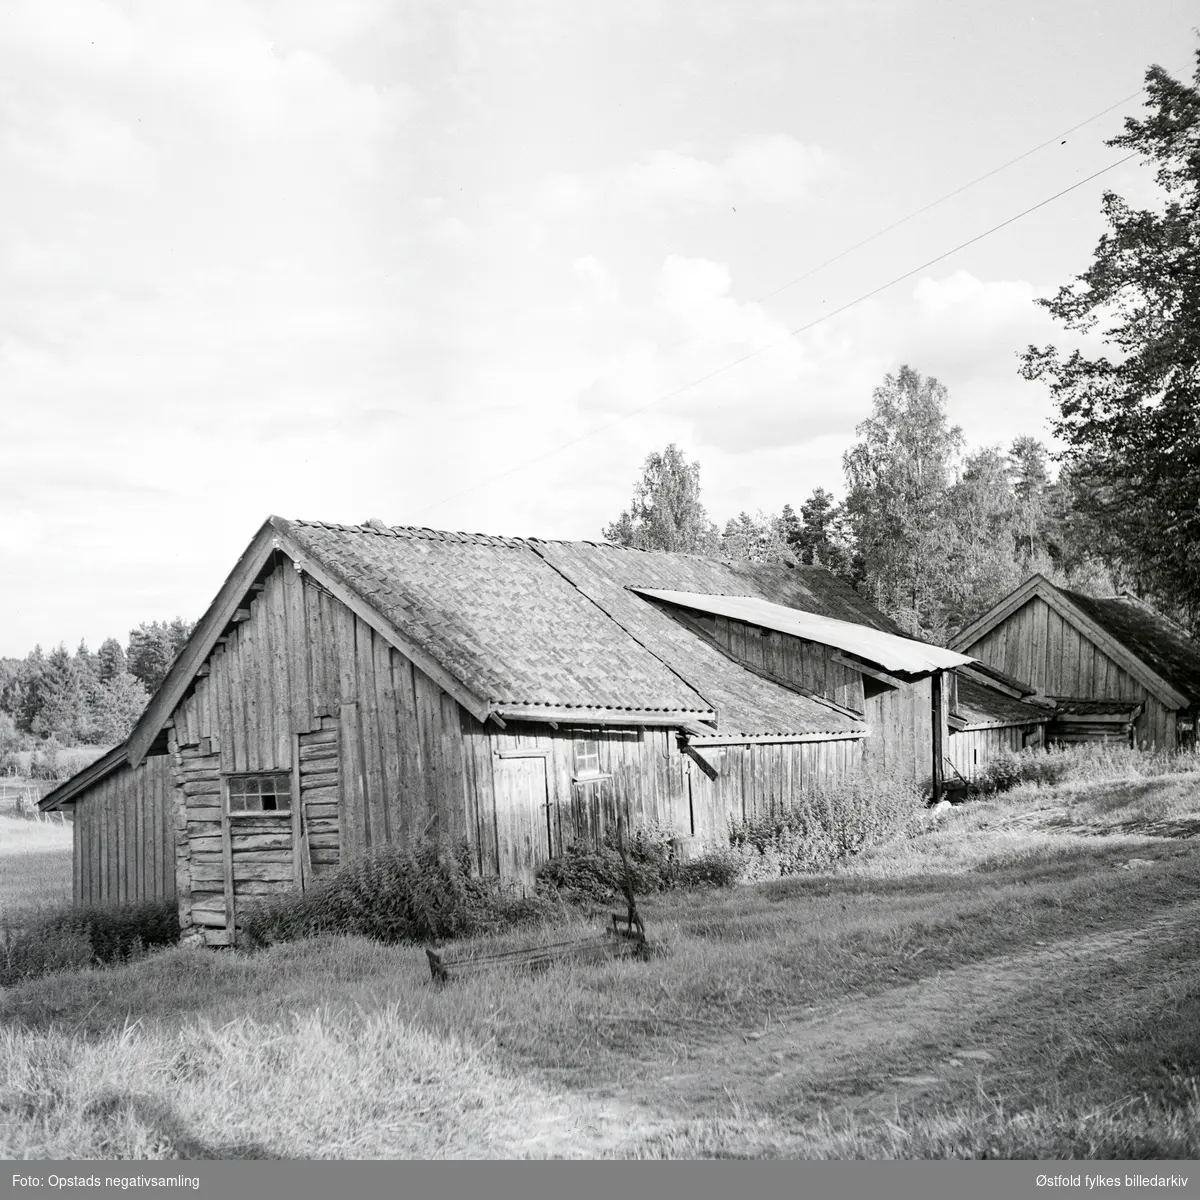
x: 19, y: 797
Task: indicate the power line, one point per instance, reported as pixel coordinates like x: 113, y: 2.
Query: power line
x: 729, y: 366
x: 958, y: 191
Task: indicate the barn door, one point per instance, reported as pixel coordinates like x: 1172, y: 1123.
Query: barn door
x: 526, y: 821
x: 259, y: 842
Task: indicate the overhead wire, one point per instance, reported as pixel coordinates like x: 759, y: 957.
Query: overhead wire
x: 958, y: 191
x: 793, y: 333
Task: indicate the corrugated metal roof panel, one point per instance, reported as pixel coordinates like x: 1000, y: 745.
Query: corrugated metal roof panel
x: 886, y: 650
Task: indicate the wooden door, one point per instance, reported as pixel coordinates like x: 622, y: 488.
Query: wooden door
x: 525, y: 824
x: 259, y: 841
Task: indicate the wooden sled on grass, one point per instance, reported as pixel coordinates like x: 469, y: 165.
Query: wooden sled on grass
x: 625, y: 937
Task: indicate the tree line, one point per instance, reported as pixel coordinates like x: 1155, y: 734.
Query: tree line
x: 86, y: 698
x: 934, y: 534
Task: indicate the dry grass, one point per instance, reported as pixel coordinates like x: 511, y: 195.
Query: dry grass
x: 1006, y: 983
x: 322, y: 1084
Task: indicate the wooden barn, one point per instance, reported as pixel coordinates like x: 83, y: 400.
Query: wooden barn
x: 352, y: 686
x: 1114, y: 668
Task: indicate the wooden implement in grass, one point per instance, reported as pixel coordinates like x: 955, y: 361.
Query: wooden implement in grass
x: 624, y: 938
x: 616, y: 942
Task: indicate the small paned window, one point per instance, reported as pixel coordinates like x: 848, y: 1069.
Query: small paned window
x: 587, y: 756
x: 260, y: 793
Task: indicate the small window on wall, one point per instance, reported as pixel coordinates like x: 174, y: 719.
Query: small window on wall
x: 260, y: 793
x: 587, y: 756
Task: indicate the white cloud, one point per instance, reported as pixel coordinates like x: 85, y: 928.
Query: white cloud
x: 79, y: 146
x: 593, y: 272
x: 995, y: 300
x: 772, y: 169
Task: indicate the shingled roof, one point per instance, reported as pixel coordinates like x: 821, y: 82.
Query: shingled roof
x: 534, y: 626
x: 1162, y: 645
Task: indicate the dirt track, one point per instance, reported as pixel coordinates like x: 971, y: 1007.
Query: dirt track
x: 840, y: 1054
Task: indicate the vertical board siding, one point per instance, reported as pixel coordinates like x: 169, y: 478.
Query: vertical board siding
x: 972, y: 750
x: 1037, y: 645
x: 808, y: 665
x: 901, y: 719
x: 642, y: 777
x: 900, y: 741
x: 123, y: 831
x: 758, y: 779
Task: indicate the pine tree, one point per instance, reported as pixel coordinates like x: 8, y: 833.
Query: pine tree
x: 59, y: 711
x: 122, y: 700
x: 822, y: 537
x: 110, y: 660
x: 153, y: 646
x: 32, y: 683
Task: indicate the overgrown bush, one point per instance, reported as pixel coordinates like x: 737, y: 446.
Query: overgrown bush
x: 596, y: 875
x: 78, y: 937
x: 1012, y: 768
x: 825, y: 826
x: 820, y: 829
x: 398, y: 894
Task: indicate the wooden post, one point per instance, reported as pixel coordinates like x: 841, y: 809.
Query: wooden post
x: 936, y: 690
x: 299, y: 833
x: 227, y: 857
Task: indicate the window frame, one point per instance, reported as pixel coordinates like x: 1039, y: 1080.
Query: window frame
x: 582, y: 775
x: 270, y: 813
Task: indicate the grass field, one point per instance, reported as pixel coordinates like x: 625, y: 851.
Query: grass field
x: 70, y: 758
x: 1021, y: 980
x: 35, y: 866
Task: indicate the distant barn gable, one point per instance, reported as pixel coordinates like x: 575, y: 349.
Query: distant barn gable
x: 1114, y: 666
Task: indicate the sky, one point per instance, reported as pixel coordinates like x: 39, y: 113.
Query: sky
x: 466, y: 265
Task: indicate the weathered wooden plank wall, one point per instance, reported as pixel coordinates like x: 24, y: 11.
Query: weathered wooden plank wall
x: 530, y: 802
x: 901, y: 738
x: 124, y: 840
x: 971, y: 750
x: 758, y: 778
x: 901, y: 719
x: 1037, y: 645
x: 199, y: 840
x: 320, y: 843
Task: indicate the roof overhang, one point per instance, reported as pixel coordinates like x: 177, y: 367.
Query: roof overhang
x: 1001, y: 681
x: 1043, y: 589
x: 1007, y: 723
x: 583, y: 715
x: 1117, y: 711
x: 760, y: 739
x: 886, y: 651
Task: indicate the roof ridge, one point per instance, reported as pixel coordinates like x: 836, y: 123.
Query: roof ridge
x: 427, y: 533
